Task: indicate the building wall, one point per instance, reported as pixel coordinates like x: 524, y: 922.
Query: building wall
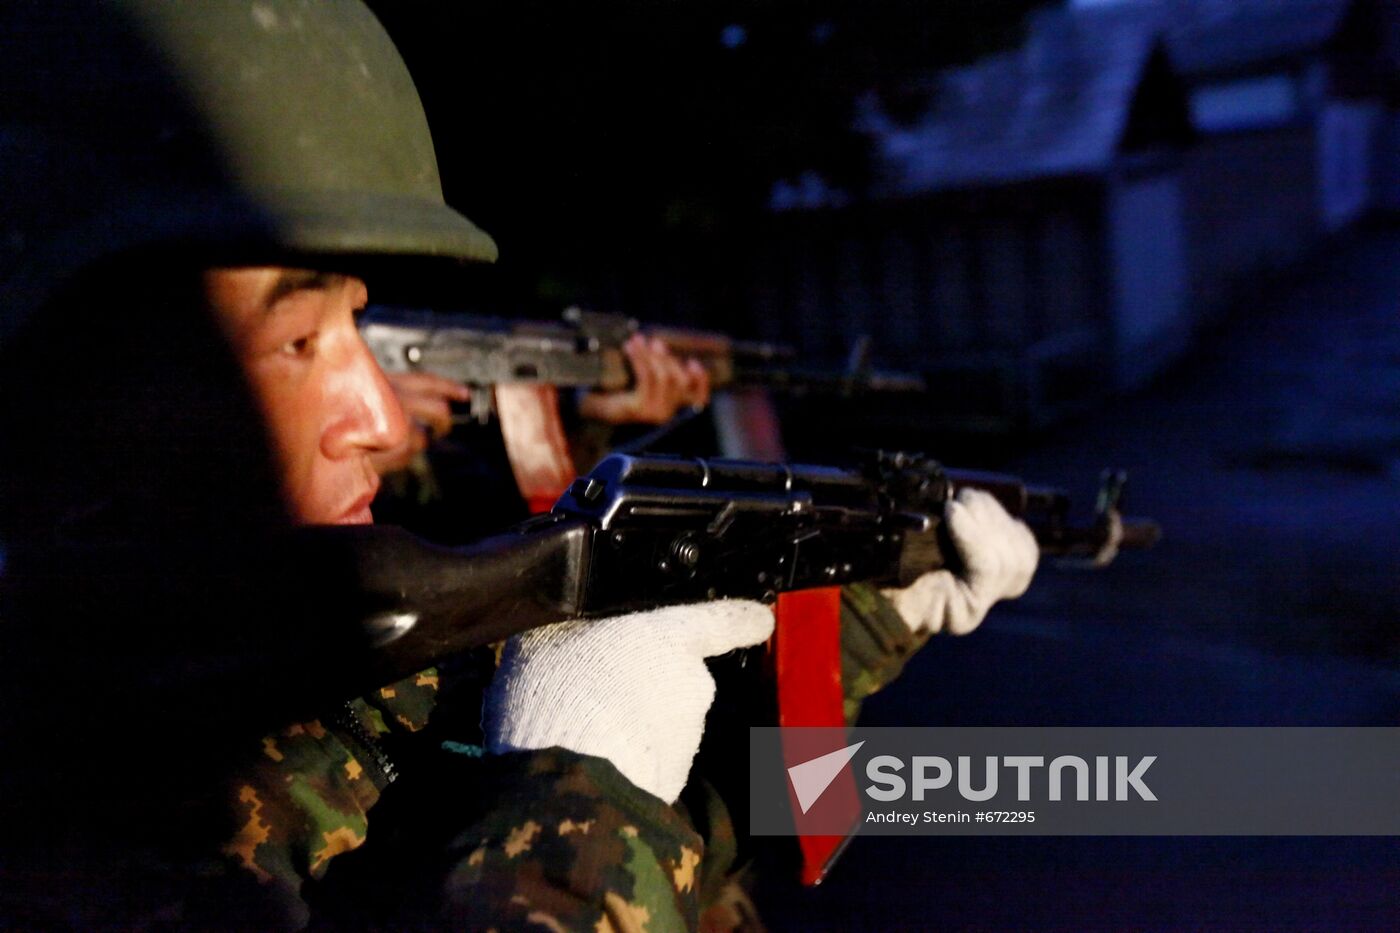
x: 1386, y: 163
x: 1251, y: 205
x: 1252, y: 102
x: 1151, y: 317
x: 1020, y: 304
x: 1003, y: 292
x: 1346, y: 145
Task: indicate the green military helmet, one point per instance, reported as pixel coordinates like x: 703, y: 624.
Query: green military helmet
x: 240, y: 130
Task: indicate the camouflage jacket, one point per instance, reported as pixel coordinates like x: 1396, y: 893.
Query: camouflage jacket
x: 875, y: 645
x: 547, y: 840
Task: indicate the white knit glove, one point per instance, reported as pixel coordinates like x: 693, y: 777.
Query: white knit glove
x: 633, y: 689
x: 998, y: 555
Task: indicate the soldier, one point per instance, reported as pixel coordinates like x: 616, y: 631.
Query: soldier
x: 195, y: 198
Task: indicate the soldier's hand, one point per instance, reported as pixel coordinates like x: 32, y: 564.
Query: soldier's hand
x: 426, y: 399
x: 998, y: 555
x: 664, y: 384
x: 633, y: 689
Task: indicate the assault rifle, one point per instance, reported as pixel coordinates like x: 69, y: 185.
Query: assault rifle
x: 584, y: 350
x: 641, y: 532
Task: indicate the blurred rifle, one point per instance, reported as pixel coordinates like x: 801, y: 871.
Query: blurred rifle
x: 515, y: 368
x: 584, y: 350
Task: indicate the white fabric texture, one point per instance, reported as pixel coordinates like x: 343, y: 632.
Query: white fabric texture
x: 633, y: 689
x: 998, y: 555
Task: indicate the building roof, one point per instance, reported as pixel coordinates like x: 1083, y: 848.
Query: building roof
x: 1063, y: 102
x: 1058, y: 106
x: 1248, y: 33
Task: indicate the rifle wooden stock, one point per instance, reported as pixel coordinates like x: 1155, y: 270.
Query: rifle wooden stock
x: 416, y: 603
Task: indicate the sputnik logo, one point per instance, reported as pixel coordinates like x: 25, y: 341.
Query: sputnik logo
x: 811, y: 778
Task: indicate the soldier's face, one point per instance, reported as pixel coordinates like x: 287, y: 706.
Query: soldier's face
x: 325, y: 401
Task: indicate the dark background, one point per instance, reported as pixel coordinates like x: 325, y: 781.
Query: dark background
x: 578, y: 135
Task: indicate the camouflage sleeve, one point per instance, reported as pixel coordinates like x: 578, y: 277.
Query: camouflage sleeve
x: 303, y: 798
x: 726, y: 905
x: 571, y: 844
x: 875, y: 644
x: 547, y: 840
